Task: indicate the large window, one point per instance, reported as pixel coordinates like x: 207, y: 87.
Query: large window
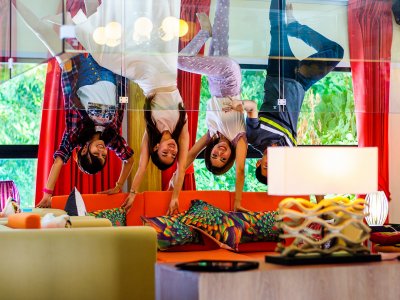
x: 327, y: 118
x: 20, y: 115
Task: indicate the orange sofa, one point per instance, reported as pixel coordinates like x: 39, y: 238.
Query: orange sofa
x: 155, y: 203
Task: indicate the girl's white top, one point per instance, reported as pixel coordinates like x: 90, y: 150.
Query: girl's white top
x: 146, y: 54
x: 230, y: 124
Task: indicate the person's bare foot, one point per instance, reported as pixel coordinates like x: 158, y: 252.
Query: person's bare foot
x: 204, y: 22
x: 289, y: 14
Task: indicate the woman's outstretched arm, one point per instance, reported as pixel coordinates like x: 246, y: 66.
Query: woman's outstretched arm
x: 51, y: 182
x: 137, y: 180
x: 192, y: 154
x: 241, y: 153
x: 180, y: 169
x: 195, y: 150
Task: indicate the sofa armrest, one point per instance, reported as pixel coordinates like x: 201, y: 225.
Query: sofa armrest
x: 81, y: 263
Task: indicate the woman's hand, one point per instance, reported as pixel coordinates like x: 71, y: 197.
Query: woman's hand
x: 127, y: 204
x: 173, y: 207
x: 114, y: 190
x: 233, y: 104
x: 45, y: 202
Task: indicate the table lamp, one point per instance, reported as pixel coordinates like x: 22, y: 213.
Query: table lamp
x: 319, y: 171
x: 377, y: 208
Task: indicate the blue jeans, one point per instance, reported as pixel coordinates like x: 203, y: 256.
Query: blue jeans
x: 282, y: 61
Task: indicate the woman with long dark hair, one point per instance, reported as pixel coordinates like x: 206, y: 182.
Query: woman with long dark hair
x: 225, y: 142
x: 149, y: 58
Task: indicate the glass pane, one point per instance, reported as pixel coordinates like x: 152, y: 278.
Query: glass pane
x: 205, y: 180
x: 327, y: 116
x: 23, y: 31
x: 21, y: 107
x: 23, y: 173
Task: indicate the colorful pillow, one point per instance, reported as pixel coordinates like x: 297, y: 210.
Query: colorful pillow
x: 117, y: 216
x: 171, y: 231
x: 75, y: 205
x: 263, y: 226
x: 225, y: 229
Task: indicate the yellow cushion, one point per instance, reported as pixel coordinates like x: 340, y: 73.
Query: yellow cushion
x: 89, y: 221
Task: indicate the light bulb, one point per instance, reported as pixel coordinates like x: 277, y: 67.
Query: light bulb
x: 113, y: 42
x: 183, y: 28
x: 143, y: 26
x: 170, y: 25
x: 113, y: 31
x: 166, y: 37
x: 99, y: 36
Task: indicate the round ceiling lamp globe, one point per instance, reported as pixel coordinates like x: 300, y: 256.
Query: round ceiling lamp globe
x: 143, y: 26
x: 113, y: 31
x: 99, y: 36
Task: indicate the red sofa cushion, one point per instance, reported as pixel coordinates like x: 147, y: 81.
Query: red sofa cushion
x: 156, y: 203
x: 257, y: 247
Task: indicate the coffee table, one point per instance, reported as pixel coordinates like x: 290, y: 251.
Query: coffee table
x: 376, y: 280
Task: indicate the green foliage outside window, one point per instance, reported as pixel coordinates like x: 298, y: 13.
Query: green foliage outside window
x: 20, y: 116
x: 327, y: 118
x: 21, y: 107
x: 23, y: 173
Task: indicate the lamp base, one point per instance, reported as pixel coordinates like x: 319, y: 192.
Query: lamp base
x: 312, y: 259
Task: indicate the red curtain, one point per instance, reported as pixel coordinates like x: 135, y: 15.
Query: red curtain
x: 189, y: 86
x: 370, y: 40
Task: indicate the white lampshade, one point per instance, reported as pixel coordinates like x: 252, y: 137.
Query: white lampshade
x: 322, y: 170
x: 376, y: 209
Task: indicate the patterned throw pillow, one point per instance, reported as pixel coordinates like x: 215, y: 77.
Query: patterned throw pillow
x: 262, y: 226
x: 171, y: 231
x: 225, y: 229
x: 117, y: 216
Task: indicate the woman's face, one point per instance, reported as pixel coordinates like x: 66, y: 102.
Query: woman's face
x: 98, y: 148
x: 220, y: 154
x: 167, y: 151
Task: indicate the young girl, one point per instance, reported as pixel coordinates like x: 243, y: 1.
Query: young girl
x: 225, y: 142
x: 151, y: 61
x: 93, y: 113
